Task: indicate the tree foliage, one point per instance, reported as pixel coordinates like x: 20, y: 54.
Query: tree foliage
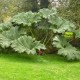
x: 71, y: 12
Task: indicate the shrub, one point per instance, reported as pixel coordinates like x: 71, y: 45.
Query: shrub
x: 47, y: 27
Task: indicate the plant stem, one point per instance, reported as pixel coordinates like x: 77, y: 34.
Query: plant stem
x: 31, y: 32
x: 45, y: 38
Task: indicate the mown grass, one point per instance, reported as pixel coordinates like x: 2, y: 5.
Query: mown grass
x: 35, y: 67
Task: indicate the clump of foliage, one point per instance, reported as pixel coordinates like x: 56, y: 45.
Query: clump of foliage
x: 46, y: 27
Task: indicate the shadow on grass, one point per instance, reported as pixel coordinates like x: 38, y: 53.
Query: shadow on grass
x: 46, y: 58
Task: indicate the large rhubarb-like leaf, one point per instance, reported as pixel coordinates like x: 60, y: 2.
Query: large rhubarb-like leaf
x: 27, y: 44
x: 61, y: 25
x: 45, y: 13
x: 59, y: 42
x: 5, y: 26
x: 26, y: 18
x: 6, y: 37
x: 71, y: 53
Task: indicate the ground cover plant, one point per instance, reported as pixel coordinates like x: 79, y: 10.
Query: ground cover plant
x: 31, y: 32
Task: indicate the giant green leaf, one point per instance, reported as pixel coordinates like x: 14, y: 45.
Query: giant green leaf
x: 59, y: 42
x: 45, y: 13
x: 55, y: 20
x: 6, y: 37
x: 27, y: 18
x: 27, y: 44
x: 61, y: 25
x: 5, y: 26
x: 77, y: 33
x: 71, y: 53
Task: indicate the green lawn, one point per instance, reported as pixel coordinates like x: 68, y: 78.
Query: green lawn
x: 46, y: 67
